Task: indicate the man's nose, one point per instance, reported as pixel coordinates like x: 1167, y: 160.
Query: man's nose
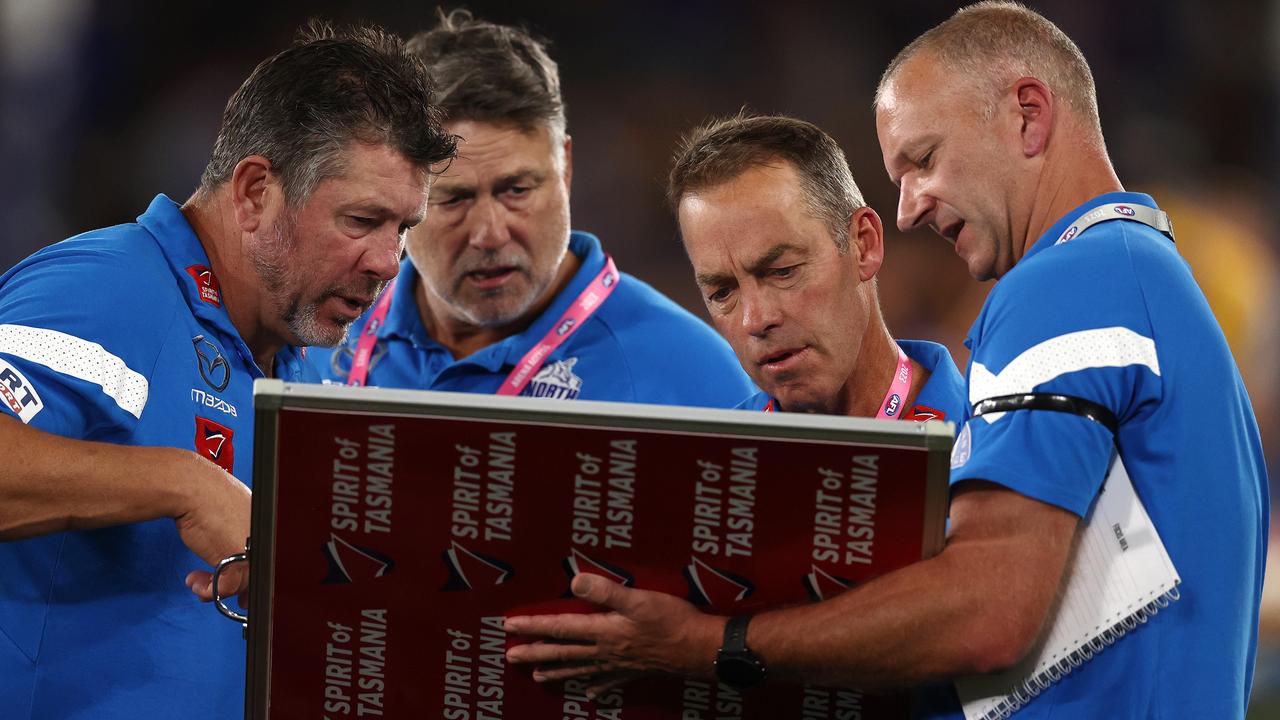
x: 915, y: 208
x: 489, y: 224
x: 382, y: 260
x: 760, y: 312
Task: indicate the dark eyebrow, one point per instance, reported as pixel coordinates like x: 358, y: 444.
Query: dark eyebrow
x: 444, y: 187
x: 713, y: 279
x: 755, y: 268
x: 382, y: 213
x: 515, y: 178
x: 770, y: 257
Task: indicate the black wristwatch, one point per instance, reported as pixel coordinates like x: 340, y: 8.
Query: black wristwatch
x: 736, y: 665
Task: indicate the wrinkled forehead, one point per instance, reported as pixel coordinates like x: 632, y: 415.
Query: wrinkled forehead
x: 923, y: 98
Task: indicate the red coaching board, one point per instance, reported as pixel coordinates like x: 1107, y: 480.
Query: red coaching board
x: 393, y: 530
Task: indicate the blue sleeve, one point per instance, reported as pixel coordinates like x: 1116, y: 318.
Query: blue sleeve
x: 1072, y: 321
x: 79, y: 338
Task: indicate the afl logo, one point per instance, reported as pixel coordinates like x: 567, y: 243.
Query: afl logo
x: 566, y: 326
x: 1125, y: 210
x: 1070, y: 233
x: 608, y: 280
x: 891, y: 407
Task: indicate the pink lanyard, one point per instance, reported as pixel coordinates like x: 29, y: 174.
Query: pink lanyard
x: 573, y: 318
x: 369, y: 337
x: 894, y: 398
x: 583, y: 306
x: 891, y: 406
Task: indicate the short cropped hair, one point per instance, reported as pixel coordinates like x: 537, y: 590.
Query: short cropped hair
x: 722, y: 149
x: 491, y: 73
x: 996, y: 42
x: 300, y: 108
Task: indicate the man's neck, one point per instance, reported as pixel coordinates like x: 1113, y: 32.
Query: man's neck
x: 463, y: 338
x: 240, y: 289
x: 864, y: 393
x: 1068, y: 181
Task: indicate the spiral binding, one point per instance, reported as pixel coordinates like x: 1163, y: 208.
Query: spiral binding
x: 1041, y: 681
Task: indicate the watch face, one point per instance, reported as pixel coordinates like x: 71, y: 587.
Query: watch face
x: 741, y: 670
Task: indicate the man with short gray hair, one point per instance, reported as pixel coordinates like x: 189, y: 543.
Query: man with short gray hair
x: 490, y: 298
x: 786, y: 254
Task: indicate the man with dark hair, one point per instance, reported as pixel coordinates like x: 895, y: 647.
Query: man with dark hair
x: 786, y: 252
x: 128, y: 356
x: 1095, y: 343
x: 497, y: 294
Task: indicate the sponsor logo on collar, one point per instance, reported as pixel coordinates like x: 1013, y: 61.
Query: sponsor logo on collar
x: 921, y: 413
x: 213, y: 366
x: 206, y: 284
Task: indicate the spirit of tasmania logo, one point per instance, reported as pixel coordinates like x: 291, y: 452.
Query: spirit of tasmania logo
x: 206, y: 284
x: 472, y: 571
x: 352, y: 563
x: 715, y: 587
x: 215, y: 443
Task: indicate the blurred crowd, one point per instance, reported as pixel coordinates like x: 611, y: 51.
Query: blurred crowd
x: 103, y: 104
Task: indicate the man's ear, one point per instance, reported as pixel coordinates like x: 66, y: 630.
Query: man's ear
x: 248, y: 188
x: 866, y: 238
x: 568, y: 162
x: 1036, y: 107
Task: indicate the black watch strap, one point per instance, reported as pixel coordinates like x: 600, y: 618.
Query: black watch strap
x: 735, y: 634
x: 736, y: 665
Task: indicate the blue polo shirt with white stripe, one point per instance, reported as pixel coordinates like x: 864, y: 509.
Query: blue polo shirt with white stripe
x: 638, y: 346
x: 120, y: 335
x: 1114, y: 316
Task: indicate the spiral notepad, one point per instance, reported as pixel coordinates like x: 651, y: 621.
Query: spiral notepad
x: 1120, y: 575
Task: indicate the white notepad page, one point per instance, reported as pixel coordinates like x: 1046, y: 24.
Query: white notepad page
x: 1120, y: 575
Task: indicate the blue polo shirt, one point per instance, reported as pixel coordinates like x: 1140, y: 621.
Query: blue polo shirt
x: 1114, y: 316
x: 638, y: 347
x: 120, y: 335
x: 941, y: 398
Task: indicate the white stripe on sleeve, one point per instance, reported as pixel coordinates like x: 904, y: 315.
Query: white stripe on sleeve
x: 1104, y: 347
x: 78, y: 358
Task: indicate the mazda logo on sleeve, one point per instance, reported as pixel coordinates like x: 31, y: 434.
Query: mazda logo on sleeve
x: 213, y: 367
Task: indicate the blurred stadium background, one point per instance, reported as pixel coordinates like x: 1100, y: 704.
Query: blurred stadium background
x: 104, y: 104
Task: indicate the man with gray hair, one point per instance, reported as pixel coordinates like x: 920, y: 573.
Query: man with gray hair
x: 497, y: 294
x: 127, y: 361
x: 1095, y: 342
x: 786, y: 254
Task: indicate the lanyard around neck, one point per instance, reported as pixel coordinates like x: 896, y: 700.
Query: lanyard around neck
x: 894, y: 397
x: 1156, y: 219
x: 582, y: 308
